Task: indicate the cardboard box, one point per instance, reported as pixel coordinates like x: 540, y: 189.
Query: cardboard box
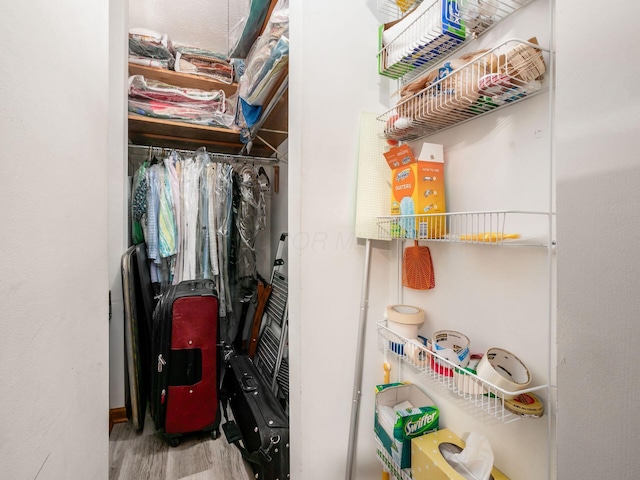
x: 419, y: 38
x: 410, y: 423
x: 429, y: 464
x: 399, y: 156
x: 417, y: 187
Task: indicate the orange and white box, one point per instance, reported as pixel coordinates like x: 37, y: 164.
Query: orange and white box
x: 417, y: 187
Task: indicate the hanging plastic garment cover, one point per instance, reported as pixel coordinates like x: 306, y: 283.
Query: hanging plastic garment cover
x: 153, y: 205
x: 249, y: 220
x: 248, y: 225
x: 211, y: 210
x: 138, y: 203
x: 192, y: 167
x: 167, y: 231
x: 203, y: 262
x: 172, y: 164
x: 223, y: 192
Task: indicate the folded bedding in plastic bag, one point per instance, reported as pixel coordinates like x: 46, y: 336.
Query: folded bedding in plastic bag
x: 141, y: 87
x: 150, y: 48
x: 157, y: 99
x: 198, y: 61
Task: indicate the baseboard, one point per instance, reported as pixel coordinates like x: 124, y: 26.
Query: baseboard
x: 117, y: 415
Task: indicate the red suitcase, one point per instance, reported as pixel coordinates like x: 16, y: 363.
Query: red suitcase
x: 185, y: 383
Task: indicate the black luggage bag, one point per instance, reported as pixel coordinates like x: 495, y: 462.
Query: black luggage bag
x: 260, y: 421
x: 184, y: 382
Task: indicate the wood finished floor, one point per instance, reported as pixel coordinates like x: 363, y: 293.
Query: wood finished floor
x: 146, y: 455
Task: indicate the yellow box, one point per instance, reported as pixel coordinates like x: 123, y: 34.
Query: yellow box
x: 427, y: 463
x: 417, y: 187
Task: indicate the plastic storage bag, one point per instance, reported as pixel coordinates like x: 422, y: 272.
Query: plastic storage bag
x: 157, y: 99
x: 150, y: 48
x: 268, y: 59
x: 244, y: 33
x: 206, y: 63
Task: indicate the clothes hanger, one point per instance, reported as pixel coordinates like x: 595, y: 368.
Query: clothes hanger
x: 154, y: 160
x: 263, y: 174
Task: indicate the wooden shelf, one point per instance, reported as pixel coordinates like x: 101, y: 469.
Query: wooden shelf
x: 171, y: 134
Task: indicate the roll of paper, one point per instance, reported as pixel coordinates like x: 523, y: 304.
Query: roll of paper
x: 404, y: 320
x: 503, y: 369
x: 526, y: 405
x: 406, y: 314
x: 453, y: 347
x: 417, y: 353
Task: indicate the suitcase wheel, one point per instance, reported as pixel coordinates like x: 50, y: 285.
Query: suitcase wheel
x: 173, y: 442
x: 215, y: 433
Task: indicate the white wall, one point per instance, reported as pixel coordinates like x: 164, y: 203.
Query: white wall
x: 279, y: 207
x: 598, y: 174
x: 118, y: 186
x: 332, y: 79
x: 198, y: 23
x: 53, y: 190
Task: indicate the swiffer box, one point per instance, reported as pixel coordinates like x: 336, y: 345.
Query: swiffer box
x: 417, y: 187
x: 428, y: 463
x: 396, y: 433
x: 427, y: 32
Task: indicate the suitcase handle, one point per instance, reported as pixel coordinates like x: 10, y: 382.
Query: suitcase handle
x: 248, y: 383
x: 194, y: 284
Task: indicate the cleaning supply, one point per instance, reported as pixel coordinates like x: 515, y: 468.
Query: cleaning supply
x: 417, y: 188
x: 489, y: 237
x: 417, y: 268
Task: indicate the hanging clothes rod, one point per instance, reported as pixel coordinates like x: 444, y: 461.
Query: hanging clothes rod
x: 217, y: 157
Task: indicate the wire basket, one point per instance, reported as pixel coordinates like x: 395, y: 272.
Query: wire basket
x: 500, y: 227
x: 466, y: 87
x: 426, y: 32
x: 482, y: 394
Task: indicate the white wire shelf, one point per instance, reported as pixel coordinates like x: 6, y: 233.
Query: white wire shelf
x: 389, y: 464
x: 432, y: 30
x: 477, y: 391
x: 466, y: 88
x: 482, y: 228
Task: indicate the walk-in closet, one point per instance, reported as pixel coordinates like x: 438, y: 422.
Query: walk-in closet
x: 206, y: 212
